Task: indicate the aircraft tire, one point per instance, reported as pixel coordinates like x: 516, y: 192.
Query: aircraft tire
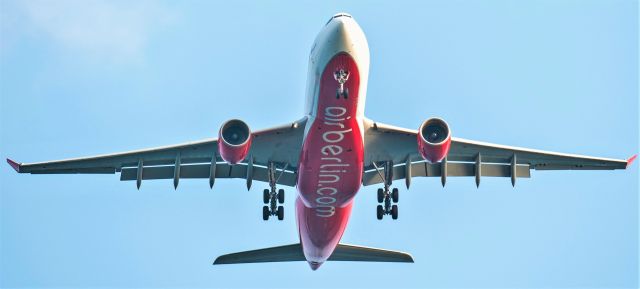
x: 281, y: 196
x: 394, y: 212
x: 265, y: 196
x: 379, y: 212
x: 280, y: 213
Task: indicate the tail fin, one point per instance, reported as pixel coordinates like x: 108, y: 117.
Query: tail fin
x: 293, y: 252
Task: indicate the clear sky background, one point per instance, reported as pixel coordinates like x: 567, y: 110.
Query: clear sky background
x: 86, y: 77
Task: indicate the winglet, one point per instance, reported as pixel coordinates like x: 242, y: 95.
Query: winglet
x: 630, y: 160
x: 14, y: 165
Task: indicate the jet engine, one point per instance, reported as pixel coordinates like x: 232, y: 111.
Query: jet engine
x: 234, y: 141
x: 434, y: 140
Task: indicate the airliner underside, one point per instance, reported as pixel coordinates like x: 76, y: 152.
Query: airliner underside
x: 328, y: 154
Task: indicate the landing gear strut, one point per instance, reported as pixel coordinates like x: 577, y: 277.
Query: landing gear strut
x: 341, y: 76
x: 272, y: 197
x: 386, y: 197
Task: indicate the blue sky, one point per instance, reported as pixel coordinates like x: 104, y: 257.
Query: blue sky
x: 86, y: 77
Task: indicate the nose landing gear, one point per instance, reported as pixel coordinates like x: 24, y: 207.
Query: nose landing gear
x: 272, y: 197
x: 341, y: 76
x: 384, y: 196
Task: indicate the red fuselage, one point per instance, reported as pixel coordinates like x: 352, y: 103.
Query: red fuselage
x: 331, y: 161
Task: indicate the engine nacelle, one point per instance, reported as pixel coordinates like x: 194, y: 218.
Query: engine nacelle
x: 234, y: 141
x: 434, y: 140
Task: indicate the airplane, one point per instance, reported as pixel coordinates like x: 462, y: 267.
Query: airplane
x: 328, y: 155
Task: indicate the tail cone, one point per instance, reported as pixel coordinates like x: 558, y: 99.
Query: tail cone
x: 314, y: 265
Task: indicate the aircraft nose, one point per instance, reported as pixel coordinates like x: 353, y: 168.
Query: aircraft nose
x: 338, y: 16
x: 339, y: 28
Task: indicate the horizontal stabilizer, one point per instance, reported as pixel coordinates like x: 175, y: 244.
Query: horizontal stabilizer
x: 274, y: 254
x: 293, y: 252
x: 346, y: 252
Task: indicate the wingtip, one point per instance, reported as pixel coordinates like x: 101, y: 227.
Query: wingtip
x: 630, y: 160
x: 219, y: 261
x: 409, y: 258
x: 14, y: 165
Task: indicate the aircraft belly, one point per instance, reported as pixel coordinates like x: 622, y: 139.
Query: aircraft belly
x: 330, y: 171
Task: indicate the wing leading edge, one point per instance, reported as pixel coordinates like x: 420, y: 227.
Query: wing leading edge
x: 386, y: 143
x: 279, y: 145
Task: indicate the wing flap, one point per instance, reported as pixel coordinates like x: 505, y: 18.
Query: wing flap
x: 201, y: 171
x: 96, y: 170
x: 454, y: 169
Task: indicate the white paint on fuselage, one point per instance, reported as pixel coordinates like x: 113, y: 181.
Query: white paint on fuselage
x: 341, y: 34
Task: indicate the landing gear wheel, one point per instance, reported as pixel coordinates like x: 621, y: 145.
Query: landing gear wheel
x: 281, y: 196
x: 266, y: 196
x: 346, y: 93
x: 379, y: 212
x: 394, y: 195
x: 265, y: 213
x: 394, y: 212
x: 380, y: 195
x: 280, y: 213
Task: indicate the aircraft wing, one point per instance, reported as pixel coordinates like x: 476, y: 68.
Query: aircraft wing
x: 466, y: 158
x: 199, y: 159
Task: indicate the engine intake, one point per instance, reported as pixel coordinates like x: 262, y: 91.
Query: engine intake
x: 234, y: 141
x: 434, y: 140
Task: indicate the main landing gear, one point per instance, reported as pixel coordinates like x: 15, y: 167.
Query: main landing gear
x: 272, y: 197
x: 384, y: 196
